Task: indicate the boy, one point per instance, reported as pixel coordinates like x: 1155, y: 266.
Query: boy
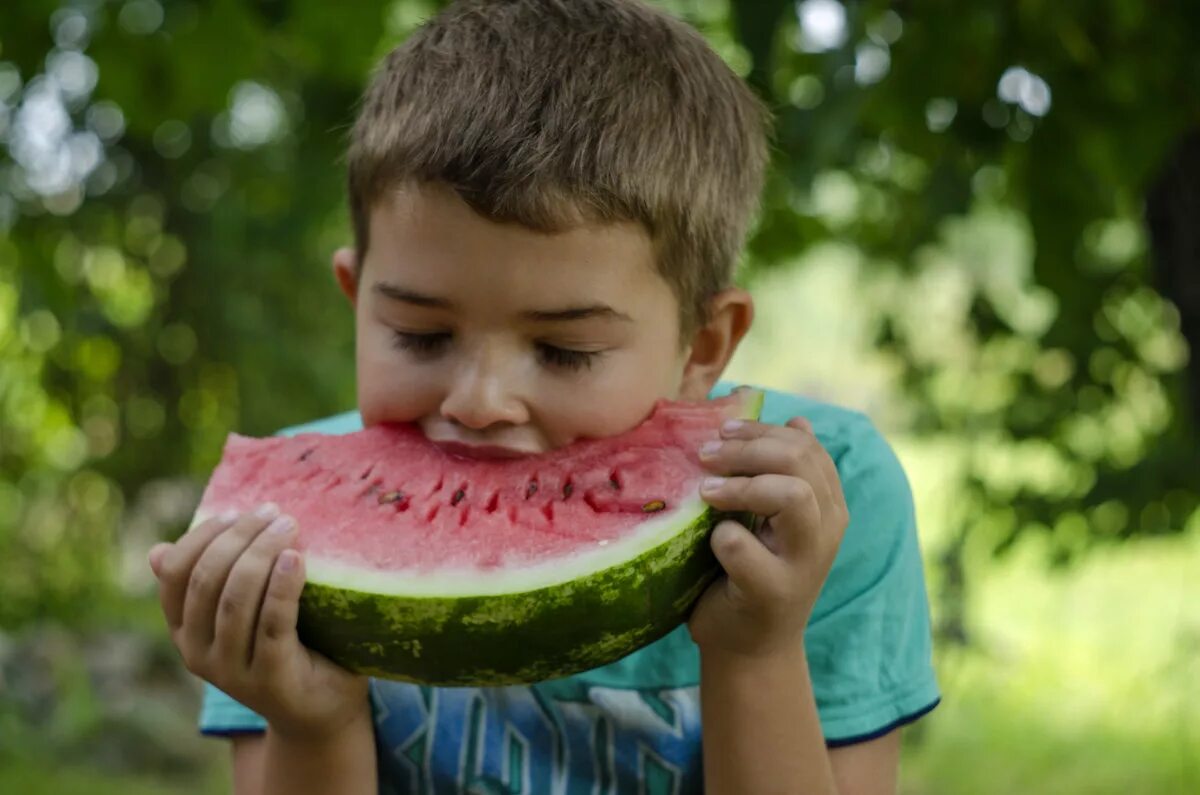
x: 548, y: 198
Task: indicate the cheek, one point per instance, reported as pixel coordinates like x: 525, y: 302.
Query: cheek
x: 389, y: 388
x: 616, y: 401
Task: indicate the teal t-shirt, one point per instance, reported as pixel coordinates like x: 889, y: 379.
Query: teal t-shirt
x: 634, y: 725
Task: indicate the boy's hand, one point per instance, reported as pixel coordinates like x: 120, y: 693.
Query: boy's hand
x: 782, y: 475
x: 230, y: 591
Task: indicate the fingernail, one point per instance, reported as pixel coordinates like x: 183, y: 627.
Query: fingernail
x: 732, y: 425
x: 228, y: 517
x: 287, y: 560
x: 281, y: 525
x: 712, y: 484
x: 709, y: 449
x: 268, y: 510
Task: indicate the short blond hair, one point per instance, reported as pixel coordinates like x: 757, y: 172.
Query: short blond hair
x: 549, y: 113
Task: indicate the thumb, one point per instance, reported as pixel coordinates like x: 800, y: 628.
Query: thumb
x: 752, y: 569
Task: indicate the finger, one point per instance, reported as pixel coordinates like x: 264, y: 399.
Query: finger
x: 275, y: 635
x: 754, y: 448
x: 755, y: 575
x: 211, y: 572
x: 175, y: 565
x: 834, y: 498
x: 751, y: 429
x: 759, y: 456
x: 817, y: 463
x: 788, y: 447
x: 800, y: 424
x: 155, y: 555
x: 788, y: 503
x: 242, y: 597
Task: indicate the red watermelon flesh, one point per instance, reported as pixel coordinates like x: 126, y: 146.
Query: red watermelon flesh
x: 386, y: 498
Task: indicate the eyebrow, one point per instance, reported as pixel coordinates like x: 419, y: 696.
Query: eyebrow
x: 398, y: 293
x: 584, y: 312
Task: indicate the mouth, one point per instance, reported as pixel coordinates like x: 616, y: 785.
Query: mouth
x: 482, y: 451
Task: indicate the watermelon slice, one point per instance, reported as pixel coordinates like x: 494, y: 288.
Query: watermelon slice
x: 433, y: 568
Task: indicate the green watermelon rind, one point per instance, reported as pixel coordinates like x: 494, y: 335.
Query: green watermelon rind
x: 519, y: 636
x: 514, y: 638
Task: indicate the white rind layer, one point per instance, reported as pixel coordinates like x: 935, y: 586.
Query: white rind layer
x: 648, y: 534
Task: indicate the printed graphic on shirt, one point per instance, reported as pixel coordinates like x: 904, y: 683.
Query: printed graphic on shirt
x: 560, y: 738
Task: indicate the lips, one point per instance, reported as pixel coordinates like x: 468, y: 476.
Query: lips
x: 485, y: 451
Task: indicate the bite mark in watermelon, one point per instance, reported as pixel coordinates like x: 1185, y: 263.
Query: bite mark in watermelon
x: 433, y: 568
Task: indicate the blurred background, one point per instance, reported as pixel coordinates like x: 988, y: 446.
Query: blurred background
x: 982, y: 228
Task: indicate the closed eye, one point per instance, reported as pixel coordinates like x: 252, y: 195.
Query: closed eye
x: 425, y: 345
x: 429, y: 345
x: 565, y: 358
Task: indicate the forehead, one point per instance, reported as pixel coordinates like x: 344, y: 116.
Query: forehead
x: 432, y: 241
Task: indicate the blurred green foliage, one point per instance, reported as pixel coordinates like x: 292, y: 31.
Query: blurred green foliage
x: 170, y: 191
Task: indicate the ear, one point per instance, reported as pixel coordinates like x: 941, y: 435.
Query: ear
x: 730, y: 314
x: 345, y: 271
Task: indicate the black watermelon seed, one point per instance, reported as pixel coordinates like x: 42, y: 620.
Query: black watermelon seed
x: 531, y: 489
x: 391, y: 496
x: 458, y: 496
x: 654, y: 506
x: 567, y: 489
x: 304, y: 456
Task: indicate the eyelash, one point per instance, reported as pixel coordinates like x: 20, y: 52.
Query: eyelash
x: 422, y: 345
x: 427, y: 346
x: 565, y: 358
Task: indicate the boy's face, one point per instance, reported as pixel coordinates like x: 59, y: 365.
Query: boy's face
x: 498, y: 340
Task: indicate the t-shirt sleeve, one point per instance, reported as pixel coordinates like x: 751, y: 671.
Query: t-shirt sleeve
x: 221, y: 716
x: 869, y: 642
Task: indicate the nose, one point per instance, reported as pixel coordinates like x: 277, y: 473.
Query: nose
x: 480, y: 394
